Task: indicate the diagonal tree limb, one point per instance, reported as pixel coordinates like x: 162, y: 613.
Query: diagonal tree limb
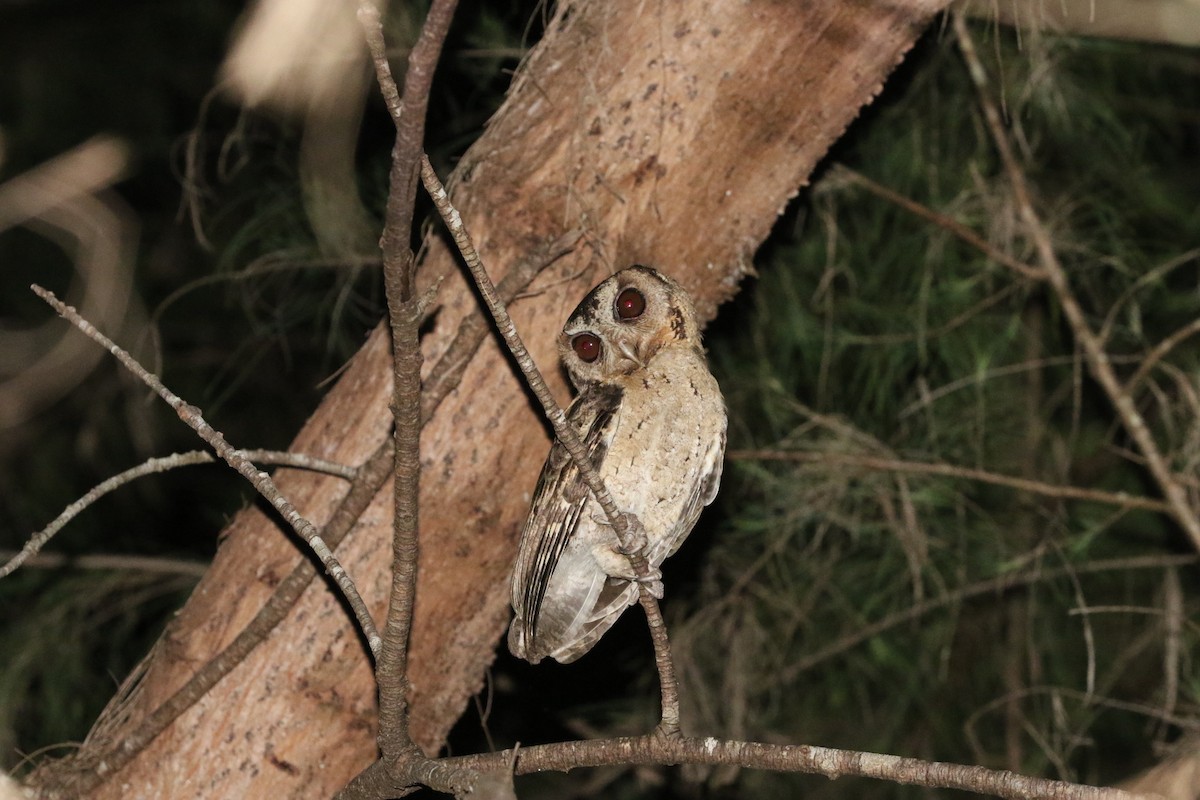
x: 941, y: 220
x: 369, y: 478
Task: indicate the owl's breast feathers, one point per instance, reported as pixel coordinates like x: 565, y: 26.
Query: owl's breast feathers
x: 664, y: 461
x: 657, y: 438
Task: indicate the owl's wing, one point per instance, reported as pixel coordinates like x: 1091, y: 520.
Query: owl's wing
x: 602, y: 599
x: 558, y: 503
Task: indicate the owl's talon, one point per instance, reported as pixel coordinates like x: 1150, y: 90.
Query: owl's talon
x: 653, y: 583
x: 638, y: 542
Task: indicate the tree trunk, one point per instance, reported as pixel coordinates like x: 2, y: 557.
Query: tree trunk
x: 671, y: 134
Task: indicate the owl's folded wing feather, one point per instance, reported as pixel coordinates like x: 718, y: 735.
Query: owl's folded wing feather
x: 558, y: 503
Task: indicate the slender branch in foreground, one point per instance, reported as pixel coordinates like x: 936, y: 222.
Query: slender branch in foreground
x: 621, y: 522
x: 112, y: 561
x: 787, y: 758
x: 1097, y: 359
x: 952, y: 471
x: 114, y: 748
x: 154, y: 466
x: 98, y: 764
x: 405, y: 310
x: 371, y: 20
x: 235, y: 458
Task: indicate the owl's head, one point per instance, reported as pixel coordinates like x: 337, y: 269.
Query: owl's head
x: 623, y: 323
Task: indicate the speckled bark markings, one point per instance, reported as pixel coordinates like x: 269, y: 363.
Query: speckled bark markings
x: 672, y: 133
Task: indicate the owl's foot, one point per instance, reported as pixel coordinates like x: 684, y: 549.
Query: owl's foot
x: 635, y: 532
x: 616, y: 564
x: 639, y: 544
x: 653, y: 583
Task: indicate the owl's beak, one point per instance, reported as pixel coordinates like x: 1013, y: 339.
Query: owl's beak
x: 629, y: 354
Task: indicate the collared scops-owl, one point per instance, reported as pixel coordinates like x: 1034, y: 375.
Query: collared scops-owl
x: 652, y: 421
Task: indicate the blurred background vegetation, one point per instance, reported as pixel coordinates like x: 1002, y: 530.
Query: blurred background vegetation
x: 871, y: 335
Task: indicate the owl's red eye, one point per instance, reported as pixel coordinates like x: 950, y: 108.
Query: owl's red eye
x: 586, y: 346
x: 630, y: 304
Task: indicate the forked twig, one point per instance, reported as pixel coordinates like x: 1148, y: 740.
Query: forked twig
x: 570, y: 440
x: 369, y: 478
x: 154, y: 466
x: 1094, y: 353
x: 407, y: 110
x: 235, y: 458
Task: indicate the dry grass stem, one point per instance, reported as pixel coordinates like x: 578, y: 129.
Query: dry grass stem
x: 1119, y: 499
x: 942, y: 221
x: 1098, y: 361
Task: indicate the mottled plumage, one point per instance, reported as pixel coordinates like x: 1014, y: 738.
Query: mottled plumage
x: 653, y: 423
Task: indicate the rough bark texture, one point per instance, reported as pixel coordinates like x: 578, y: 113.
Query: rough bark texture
x: 672, y: 133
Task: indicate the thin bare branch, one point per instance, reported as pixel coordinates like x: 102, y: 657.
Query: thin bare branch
x: 370, y: 477
x: 96, y: 766
x: 156, y: 465
x: 235, y: 458
x: 371, y: 20
x: 971, y: 381
x: 109, y: 561
x: 1187, y: 722
x: 1160, y: 351
x: 1097, y: 359
x: 1150, y: 276
x: 404, y: 317
x: 570, y: 440
x: 953, y: 471
x: 789, y: 758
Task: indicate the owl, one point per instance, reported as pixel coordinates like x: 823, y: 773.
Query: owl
x: 652, y: 421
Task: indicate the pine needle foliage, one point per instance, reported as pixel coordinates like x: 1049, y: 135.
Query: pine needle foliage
x: 872, y: 333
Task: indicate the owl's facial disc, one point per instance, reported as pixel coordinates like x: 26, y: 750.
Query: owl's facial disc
x: 622, y: 324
